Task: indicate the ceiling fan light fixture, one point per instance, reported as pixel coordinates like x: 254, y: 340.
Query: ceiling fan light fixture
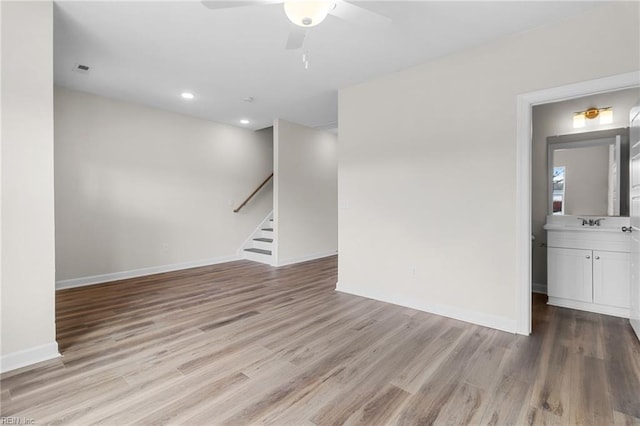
x: 307, y: 13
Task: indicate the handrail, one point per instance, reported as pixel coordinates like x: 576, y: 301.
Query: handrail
x: 244, y: 203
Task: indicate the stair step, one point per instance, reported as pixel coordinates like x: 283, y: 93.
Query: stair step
x: 260, y: 251
x: 264, y: 240
x: 267, y: 229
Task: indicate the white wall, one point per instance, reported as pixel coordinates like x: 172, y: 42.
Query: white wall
x: 427, y: 165
x: 139, y: 190
x: 27, y: 231
x: 306, y: 193
x: 557, y: 119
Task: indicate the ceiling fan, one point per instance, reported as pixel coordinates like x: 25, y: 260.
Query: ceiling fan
x: 309, y: 13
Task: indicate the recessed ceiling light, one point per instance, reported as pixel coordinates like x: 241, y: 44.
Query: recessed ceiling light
x: 187, y: 95
x: 244, y: 121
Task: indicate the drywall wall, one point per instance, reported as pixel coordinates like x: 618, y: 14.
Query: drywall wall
x: 305, y: 194
x: 427, y: 165
x: 557, y: 119
x: 27, y: 227
x: 139, y: 190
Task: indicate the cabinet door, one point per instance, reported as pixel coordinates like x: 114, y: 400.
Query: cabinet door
x: 612, y: 278
x: 570, y: 274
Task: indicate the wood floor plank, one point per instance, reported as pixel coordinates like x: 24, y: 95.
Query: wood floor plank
x: 621, y: 419
x: 244, y: 343
x: 109, y: 401
x: 412, y: 376
x: 588, y: 335
x: 465, y: 406
x: 535, y: 416
x: 425, y: 406
x: 488, y: 360
x: 369, y: 369
x: 515, y: 378
x: 81, y: 395
x: 197, y: 395
x: 334, y: 360
x: 381, y: 409
x: 552, y: 385
x: 590, y: 399
x: 507, y: 403
x: 622, y: 364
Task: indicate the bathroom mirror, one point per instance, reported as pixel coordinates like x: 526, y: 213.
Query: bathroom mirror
x: 589, y: 173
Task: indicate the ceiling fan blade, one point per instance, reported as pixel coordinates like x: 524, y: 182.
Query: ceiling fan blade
x: 296, y: 37
x: 216, y: 4
x: 359, y: 15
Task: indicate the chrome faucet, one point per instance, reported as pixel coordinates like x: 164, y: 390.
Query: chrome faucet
x: 591, y: 222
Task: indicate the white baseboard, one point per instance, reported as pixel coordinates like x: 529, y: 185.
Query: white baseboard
x: 590, y: 307
x: 99, y: 279
x: 473, y: 317
x: 539, y: 288
x: 307, y: 258
x: 29, y: 356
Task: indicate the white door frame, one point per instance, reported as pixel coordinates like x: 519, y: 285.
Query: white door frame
x: 523, y: 179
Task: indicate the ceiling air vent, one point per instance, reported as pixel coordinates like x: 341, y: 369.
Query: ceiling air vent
x: 82, y: 69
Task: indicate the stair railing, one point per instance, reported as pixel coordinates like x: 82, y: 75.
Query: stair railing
x: 244, y: 203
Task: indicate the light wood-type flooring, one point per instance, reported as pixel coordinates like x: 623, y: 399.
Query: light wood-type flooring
x: 245, y: 343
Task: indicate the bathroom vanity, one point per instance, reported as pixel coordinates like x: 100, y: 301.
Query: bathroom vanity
x: 588, y: 265
x: 588, y: 226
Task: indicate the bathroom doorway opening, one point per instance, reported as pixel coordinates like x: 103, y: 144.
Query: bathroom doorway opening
x: 524, y: 185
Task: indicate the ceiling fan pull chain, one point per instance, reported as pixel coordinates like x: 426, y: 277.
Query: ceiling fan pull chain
x: 305, y: 59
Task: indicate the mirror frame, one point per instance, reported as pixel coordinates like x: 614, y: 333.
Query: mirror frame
x: 589, y: 139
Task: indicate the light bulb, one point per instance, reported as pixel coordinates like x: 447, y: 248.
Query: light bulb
x: 606, y: 116
x: 307, y: 13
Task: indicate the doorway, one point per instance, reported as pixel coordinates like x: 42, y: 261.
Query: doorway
x: 525, y: 104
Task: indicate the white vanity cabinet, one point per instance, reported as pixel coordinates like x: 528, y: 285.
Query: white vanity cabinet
x: 589, y: 269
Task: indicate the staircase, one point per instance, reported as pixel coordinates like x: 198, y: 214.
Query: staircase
x: 259, y: 247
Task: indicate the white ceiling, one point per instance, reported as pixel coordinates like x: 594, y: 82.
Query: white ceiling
x: 149, y: 52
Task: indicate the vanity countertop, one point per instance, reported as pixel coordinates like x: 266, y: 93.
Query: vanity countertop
x: 568, y: 232
x: 579, y: 228
x: 574, y: 223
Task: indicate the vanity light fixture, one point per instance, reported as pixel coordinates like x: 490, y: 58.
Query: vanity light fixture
x: 605, y: 114
x: 187, y: 95
x: 244, y: 121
